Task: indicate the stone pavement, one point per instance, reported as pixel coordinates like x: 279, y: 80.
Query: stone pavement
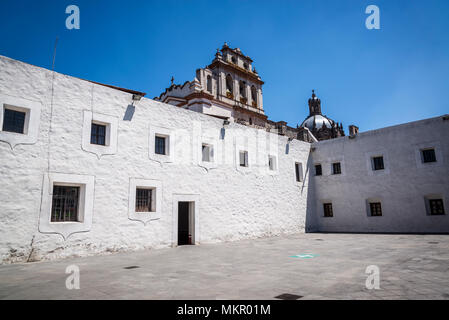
x: 411, y: 267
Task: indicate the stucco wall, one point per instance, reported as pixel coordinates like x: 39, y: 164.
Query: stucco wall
x: 401, y: 186
x: 234, y: 203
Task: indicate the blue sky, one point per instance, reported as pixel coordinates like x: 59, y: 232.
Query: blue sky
x: 371, y: 78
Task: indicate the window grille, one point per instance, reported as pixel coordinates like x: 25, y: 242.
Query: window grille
x: 375, y: 208
x: 436, y: 206
x: 243, y: 158
x: 160, y: 145
x: 65, y: 204
x: 144, y: 199
x: 318, y: 170
x: 328, y: 210
x: 428, y: 155
x: 336, y: 168
x: 378, y: 163
x: 98, y: 134
x: 13, y: 121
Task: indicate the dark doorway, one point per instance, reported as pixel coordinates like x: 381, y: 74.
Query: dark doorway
x: 185, y: 223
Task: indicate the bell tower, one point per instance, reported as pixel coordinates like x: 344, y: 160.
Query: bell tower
x: 314, y: 105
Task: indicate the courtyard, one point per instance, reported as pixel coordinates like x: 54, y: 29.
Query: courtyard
x: 311, y: 266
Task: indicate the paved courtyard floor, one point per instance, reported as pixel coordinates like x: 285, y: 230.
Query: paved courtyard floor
x: 411, y: 267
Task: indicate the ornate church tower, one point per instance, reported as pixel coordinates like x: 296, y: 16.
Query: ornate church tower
x: 228, y: 88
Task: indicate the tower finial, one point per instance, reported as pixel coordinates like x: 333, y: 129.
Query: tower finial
x: 172, y: 79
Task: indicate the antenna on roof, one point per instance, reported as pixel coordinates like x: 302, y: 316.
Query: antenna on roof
x: 54, y: 55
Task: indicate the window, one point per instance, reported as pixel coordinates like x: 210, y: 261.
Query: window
x: 336, y: 168
x: 243, y: 156
x: 272, y: 163
x: 144, y: 200
x: 298, y: 171
x: 242, y: 89
x: 246, y: 66
x: 98, y: 134
x: 436, y: 207
x: 428, y: 155
x: 378, y: 163
x: 160, y: 145
x: 327, y: 207
x: 234, y: 59
x: 375, y: 209
x: 209, y: 83
x: 318, y: 170
x: 65, y: 204
x: 207, y: 152
x: 229, y: 85
x: 14, y: 121
x: 254, y: 96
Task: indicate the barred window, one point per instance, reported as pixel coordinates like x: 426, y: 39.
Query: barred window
x: 65, y: 204
x: 144, y: 200
x: 160, y: 145
x: 298, y: 171
x: 206, y: 152
x: 318, y: 170
x: 13, y: 121
x: 328, y: 210
x: 243, y: 155
x: 375, y: 208
x: 428, y: 155
x: 98, y: 134
x: 436, y: 206
x: 378, y: 163
x: 272, y: 163
x: 336, y: 168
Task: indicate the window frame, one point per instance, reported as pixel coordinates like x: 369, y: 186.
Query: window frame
x: 315, y: 169
x: 375, y: 163
x: 375, y: 204
x: 326, y: 212
x: 85, y: 208
x: 105, y: 137
x: 423, y: 157
x: 16, y: 110
x: 31, y: 124
x: 169, y: 134
x: 111, y: 133
x: 166, y: 142
x: 334, y: 165
x: 156, y: 193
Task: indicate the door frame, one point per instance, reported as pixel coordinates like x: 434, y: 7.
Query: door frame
x: 194, y: 205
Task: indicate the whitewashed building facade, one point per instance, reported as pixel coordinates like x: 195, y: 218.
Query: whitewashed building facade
x: 87, y: 168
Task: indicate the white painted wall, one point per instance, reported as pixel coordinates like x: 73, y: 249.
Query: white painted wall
x: 401, y: 187
x: 233, y: 204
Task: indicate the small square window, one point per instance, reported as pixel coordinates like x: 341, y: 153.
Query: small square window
x: 327, y: 207
x: 272, y: 163
x: 378, y: 163
x: 428, y: 155
x: 336, y: 168
x: 65, y: 204
x: 207, y: 153
x: 243, y: 157
x: 14, y: 121
x: 144, y: 200
x: 318, y: 170
x: 98, y: 134
x: 160, y: 145
x: 436, y: 207
x: 375, y: 209
x: 298, y: 171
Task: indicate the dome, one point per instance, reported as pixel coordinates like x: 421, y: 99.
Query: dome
x: 319, y: 120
